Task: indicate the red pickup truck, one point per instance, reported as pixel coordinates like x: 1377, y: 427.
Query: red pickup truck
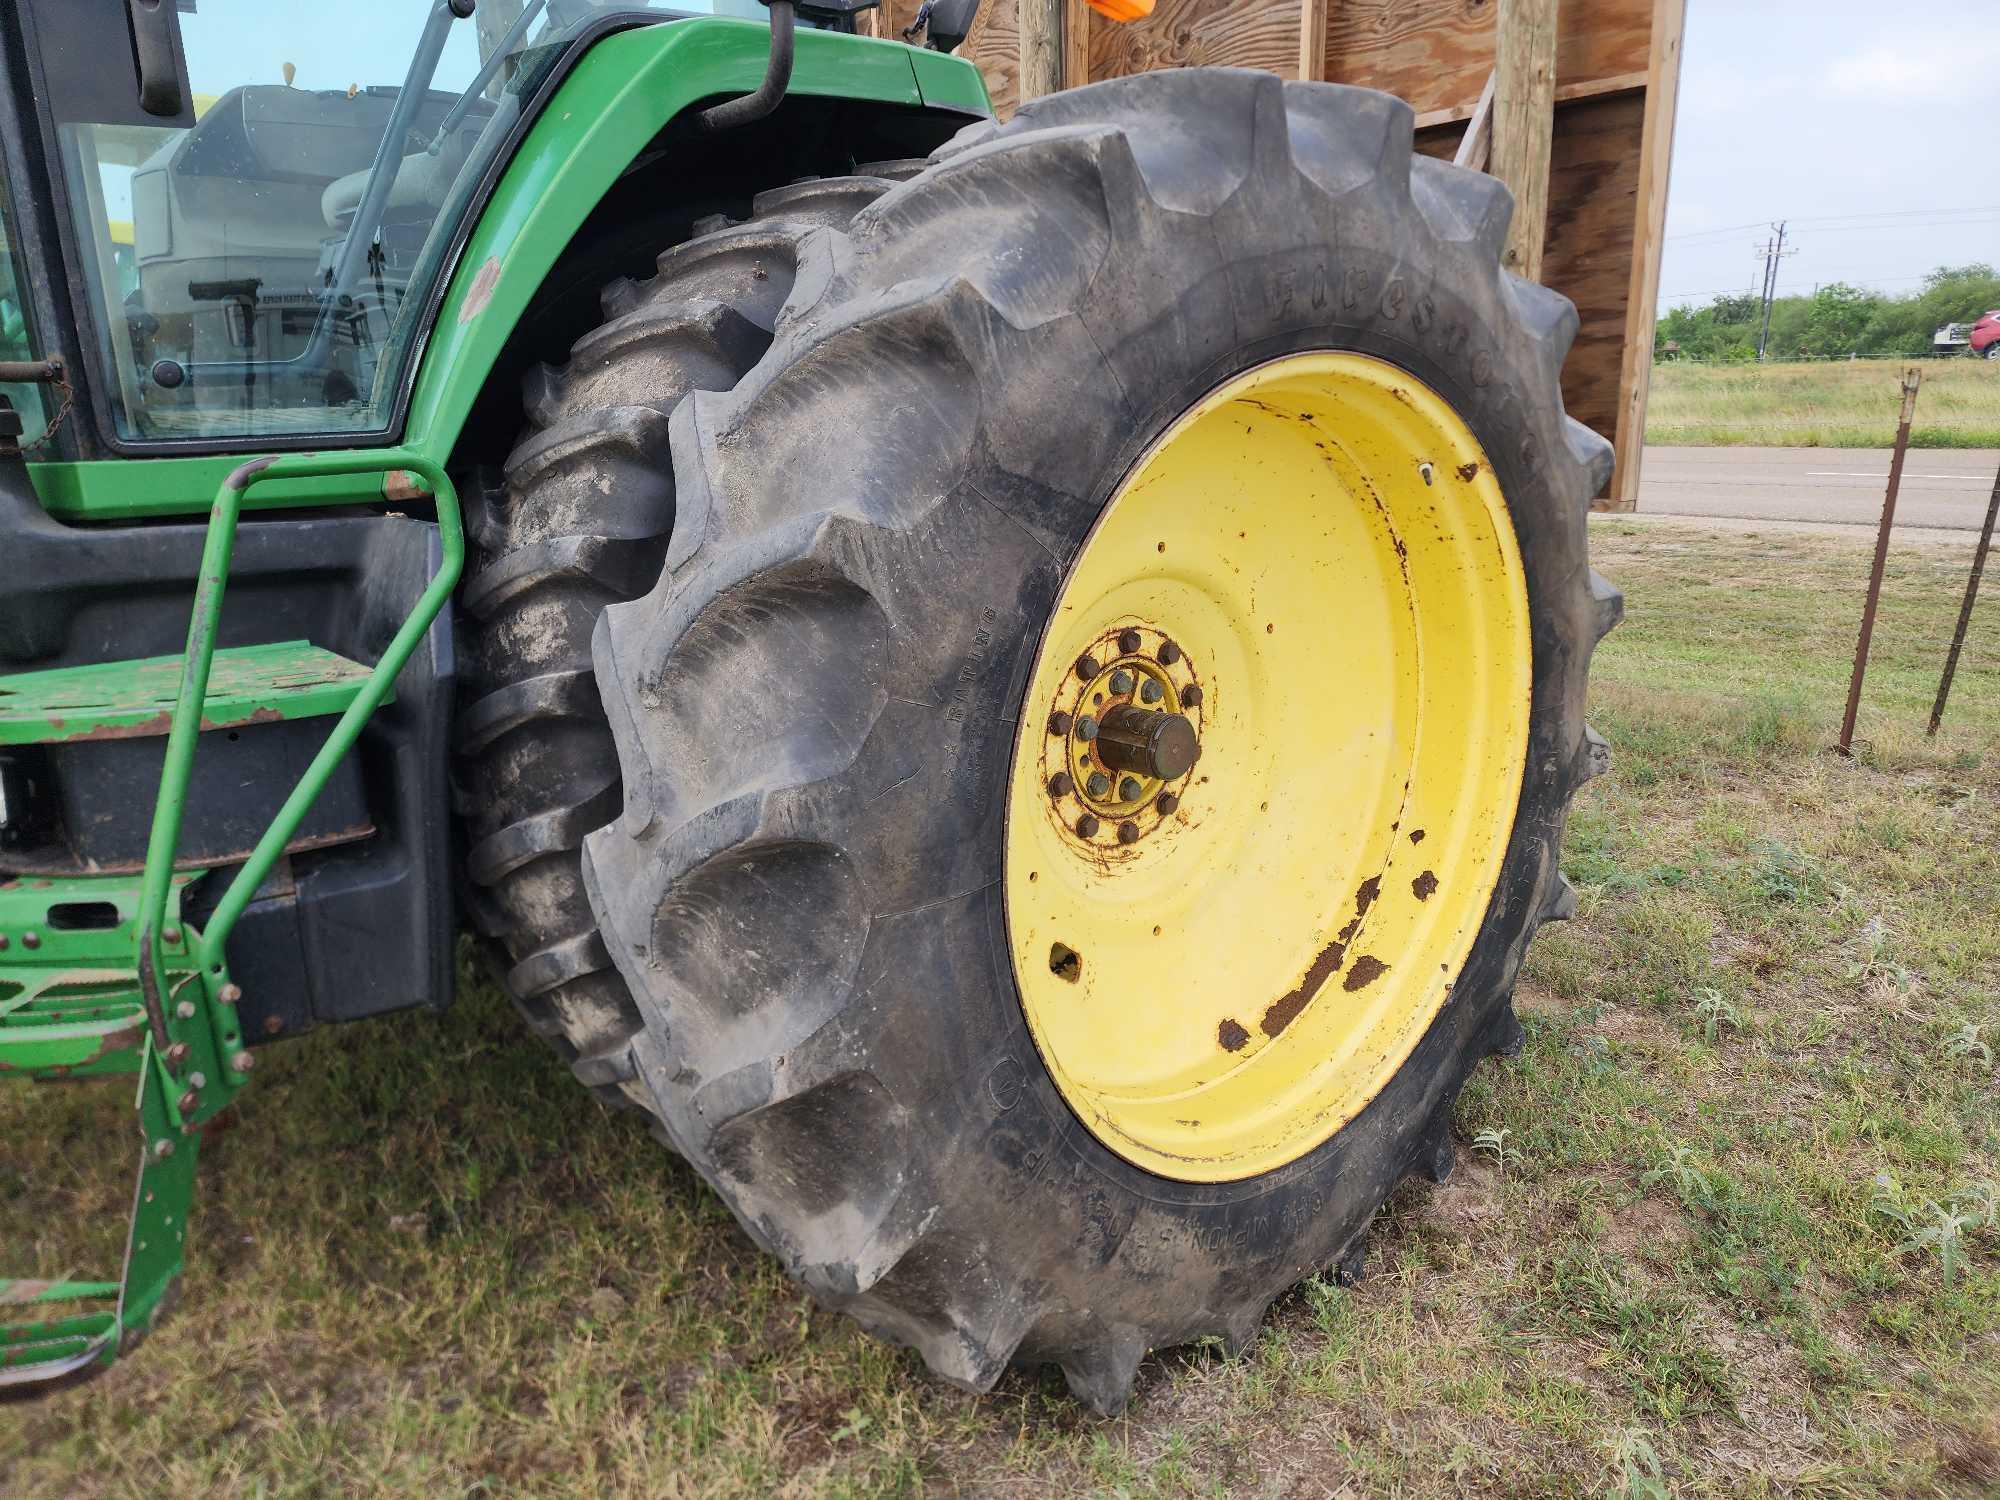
x: 1985, y: 336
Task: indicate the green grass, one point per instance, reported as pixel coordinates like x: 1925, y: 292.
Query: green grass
x: 1835, y: 404
x: 425, y: 1263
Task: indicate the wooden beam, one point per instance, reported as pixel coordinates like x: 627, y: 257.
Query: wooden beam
x: 1312, y: 40
x: 1524, y: 111
x: 1566, y: 93
x: 1076, y: 44
x: 1477, y: 144
x: 1041, y: 47
x: 1642, y: 302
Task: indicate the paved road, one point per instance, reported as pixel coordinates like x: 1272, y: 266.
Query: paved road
x: 1942, y: 487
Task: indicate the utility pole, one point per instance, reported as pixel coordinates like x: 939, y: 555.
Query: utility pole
x: 1773, y: 250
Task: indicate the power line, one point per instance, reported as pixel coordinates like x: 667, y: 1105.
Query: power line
x: 1959, y: 214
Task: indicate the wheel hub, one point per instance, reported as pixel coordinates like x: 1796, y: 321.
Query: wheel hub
x: 1124, y: 734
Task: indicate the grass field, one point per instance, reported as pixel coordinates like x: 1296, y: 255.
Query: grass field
x: 1829, y: 405
x: 1728, y: 1221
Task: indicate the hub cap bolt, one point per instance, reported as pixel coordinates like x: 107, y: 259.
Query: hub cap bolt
x: 1060, y: 784
x: 1099, y: 784
x: 1086, y: 826
x: 1086, y: 728
x: 1190, y: 696
x: 1128, y: 790
x: 1128, y: 832
x: 1129, y: 641
x: 1150, y: 691
x: 1086, y: 667
x: 1169, y: 653
x: 1121, y: 682
x: 1167, y: 803
x: 1059, y: 722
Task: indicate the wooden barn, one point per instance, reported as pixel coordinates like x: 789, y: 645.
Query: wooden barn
x: 1571, y: 104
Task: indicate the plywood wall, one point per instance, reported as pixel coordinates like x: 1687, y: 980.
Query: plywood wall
x: 1617, y: 71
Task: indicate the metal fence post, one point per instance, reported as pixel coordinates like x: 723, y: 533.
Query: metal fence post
x: 1965, y: 609
x: 1912, y: 378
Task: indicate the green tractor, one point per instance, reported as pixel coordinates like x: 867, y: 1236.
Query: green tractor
x: 1013, y: 686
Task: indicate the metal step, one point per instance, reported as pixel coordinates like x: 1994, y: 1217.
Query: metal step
x: 101, y: 975
x: 72, y: 1007
x: 134, y: 699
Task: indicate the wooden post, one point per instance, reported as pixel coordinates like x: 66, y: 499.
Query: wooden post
x: 1475, y: 147
x: 1312, y: 40
x: 1524, y: 114
x: 1041, y: 47
x: 1642, y: 296
x: 1076, y: 44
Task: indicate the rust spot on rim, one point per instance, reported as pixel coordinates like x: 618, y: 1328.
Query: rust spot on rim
x: 1232, y: 1035
x: 1424, y: 884
x: 1287, y: 1006
x: 1416, y: 835
x: 1367, y: 969
x: 1468, y: 471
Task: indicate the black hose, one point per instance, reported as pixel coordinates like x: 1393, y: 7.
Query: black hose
x: 777, y: 75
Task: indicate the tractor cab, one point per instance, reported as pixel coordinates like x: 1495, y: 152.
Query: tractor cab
x: 259, y: 219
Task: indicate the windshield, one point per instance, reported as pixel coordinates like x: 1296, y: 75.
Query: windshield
x: 255, y: 276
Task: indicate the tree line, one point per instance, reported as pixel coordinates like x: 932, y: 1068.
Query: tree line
x: 1834, y: 322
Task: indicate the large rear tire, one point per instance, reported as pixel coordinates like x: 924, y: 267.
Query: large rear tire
x: 577, y: 520
x: 824, y: 711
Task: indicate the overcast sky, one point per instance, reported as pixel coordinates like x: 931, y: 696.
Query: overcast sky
x: 1872, y: 126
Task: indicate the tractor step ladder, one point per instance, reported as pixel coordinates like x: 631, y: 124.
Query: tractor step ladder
x: 99, y: 974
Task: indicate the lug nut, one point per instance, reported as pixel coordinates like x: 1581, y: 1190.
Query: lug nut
x: 185, y: 1010
x: 1099, y: 784
x: 1129, y: 790
x: 1128, y: 832
x: 1086, y: 826
x: 1166, y: 802
x: 1059, y: 722
x: 1129, y: 641
x: 1086, y: 666
x: 1169, y: 653
x: 163, y: 1148
x: 229, y: 994
x: 1060, y: 784
x: 1121, y: 682
x: 1190, y: 696
x: 198, y: 1080
x: 1086, y: 728
x: 177, y: 1054
x: 1150, y: 691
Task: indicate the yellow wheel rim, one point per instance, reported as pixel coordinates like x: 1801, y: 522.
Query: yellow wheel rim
x: 1314, y: 571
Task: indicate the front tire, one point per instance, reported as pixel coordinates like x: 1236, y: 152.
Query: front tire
x: 816, y: 708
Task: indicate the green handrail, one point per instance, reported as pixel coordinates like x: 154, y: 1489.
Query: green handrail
x: 185, y: 730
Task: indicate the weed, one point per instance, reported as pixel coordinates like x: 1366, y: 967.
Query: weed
x: 1494, y: 1144
x: 1944, y: 1235
x: 1714, y: 1012
x: 1634, y: 1469
x: 1678, y: 1168
x: 1966, y: 1043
